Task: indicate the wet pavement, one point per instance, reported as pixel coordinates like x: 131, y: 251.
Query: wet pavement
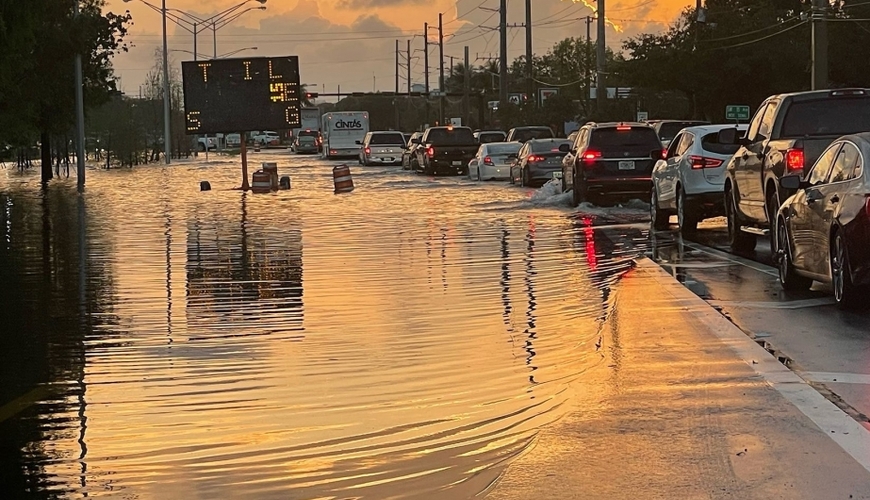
x: 411, y: 339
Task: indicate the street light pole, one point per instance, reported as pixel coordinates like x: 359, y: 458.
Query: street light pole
x: 80, y: 116
x: 167, y: 146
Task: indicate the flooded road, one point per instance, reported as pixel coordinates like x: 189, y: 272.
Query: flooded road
x: 406, y: 340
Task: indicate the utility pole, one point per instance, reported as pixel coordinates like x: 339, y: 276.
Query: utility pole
x: 588, y: 71
x: 409, y: 66
x: 441, y: 66
x: 80, y: 117
x: 530, y: 83
x: 820, y: 46
x: 466, y: 80
x: 167, y: 110
x: 601, y: 88
x: 426, y: 68
x: 397, y: 67
x: 502, y: 57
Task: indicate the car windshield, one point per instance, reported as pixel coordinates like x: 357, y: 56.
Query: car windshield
x: 547, y: 146
x: 491, y: 137
x: 710, y: 142
x: 445, y: 136
x: 390, y: 139
x: 670, y: 130
x: 639, y: 140
x: 524, y: 135
x: 839, y: 116
x: 503, y: 149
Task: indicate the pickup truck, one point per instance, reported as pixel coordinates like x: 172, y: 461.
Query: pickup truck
x: 446, y: 149
x: 786, y: 136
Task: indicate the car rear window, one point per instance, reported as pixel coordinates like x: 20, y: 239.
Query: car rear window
x: 503, y: 149
x: 524, y: 135
x: 614, y: 139
x: 448, y: 137
x: 394, y: 139
x: 491, y: 137
x: 306, y: 138
x: 710, y: 142
x: 670, y: 130
x: 835, y: 116
x: 547, y: 147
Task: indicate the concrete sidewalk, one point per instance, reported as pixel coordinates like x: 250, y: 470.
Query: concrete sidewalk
x: 687, y: 406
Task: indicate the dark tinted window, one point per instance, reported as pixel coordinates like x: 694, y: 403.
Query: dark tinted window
x: 669, y: 130
x: 486, y: 137
x: 307, y: 139
x: 838, y: 116
x: 635, y: 139
x: 503, y: 149
x: 548, y: 147
x: 446, y: 137
x: 392, y: 139
x: 710, y: 142
x: 526, y: 134
x: 309, y: 133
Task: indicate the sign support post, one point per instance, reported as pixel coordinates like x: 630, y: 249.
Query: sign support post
x: 244, y: 151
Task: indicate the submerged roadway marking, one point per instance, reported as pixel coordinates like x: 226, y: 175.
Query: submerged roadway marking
x: 791, y: 304
x: 850, y: 435
x: 840, y: 378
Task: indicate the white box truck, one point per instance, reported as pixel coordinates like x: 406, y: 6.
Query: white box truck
x: 341, y: 131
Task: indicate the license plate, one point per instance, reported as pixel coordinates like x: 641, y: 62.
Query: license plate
x: 557, y: 175
x: 388, y: 159
x: 626, y: 165
x: 457, y: 163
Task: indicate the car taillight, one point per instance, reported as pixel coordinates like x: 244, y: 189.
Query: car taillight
x: 368, y: 151
x: 488, y: 161
x: 794, y: 159
x: 535, y: 158
x: 664, y: 153
x: 430, y: 151
x: 699, y: 162
x: 590, y: 156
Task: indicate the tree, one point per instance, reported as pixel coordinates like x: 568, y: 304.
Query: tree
x: 39, y: 41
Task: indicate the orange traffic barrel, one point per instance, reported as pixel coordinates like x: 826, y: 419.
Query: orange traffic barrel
x: 261, y: 182
x: 272, y: 170
x: 342, y: 178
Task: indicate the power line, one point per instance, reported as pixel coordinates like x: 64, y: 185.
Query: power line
x: 460, y: 16
x: 760, y: 39
x: 741, y: 35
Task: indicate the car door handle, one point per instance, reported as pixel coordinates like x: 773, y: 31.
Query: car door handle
x: 814, y: 196
x: 835, y: 199
x: 745, y: 155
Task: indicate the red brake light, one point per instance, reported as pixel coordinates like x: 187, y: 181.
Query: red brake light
x: 430, y: 152
x: 368, y: 151
x: 591, y: 155
x: 535, y: 158
x: 488, y: 161
x: 794, y: 159
x: 699, y: 162
x: 664, y: 153
x: 623, y: 128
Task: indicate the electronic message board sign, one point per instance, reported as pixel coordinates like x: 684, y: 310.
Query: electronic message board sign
x: 240, y: 95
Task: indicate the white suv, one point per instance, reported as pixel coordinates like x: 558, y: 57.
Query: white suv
x: 267, y: 138
x: 690, y: 180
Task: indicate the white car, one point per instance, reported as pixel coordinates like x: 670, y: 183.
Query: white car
x: 381, y: 148
x: 267, y: 138
x: 690, y: 181
x: 493, y: 161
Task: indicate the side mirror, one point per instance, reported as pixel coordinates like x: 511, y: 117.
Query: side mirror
x: 791, y: 182
x: 728, y: 136
x: 564, y: 148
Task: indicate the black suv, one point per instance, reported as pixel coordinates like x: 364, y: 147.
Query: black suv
x: 611, y: 159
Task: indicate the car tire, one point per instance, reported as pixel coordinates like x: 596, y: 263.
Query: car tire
x: 789, y: 279
x: 580, y: 193
x: 659, y: 219
x: 687, y: 222
x: 738, y: 240
x: 479, y: 177
x: 524, y: 181
x: 847, y: 295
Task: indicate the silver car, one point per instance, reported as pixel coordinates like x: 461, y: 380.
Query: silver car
x: 493, y: 161
x: 690, y: 180
x: 382, y: 148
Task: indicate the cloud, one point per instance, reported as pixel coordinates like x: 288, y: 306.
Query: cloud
x: 373, y: 4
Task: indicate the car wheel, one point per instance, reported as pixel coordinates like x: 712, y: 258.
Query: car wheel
x: 659, y: 218
x: 772, y: 211
x: 580, y: 191
x: 738, y: 240
x: 524, y: 181
x: 479, y: 177
x: 845, y: 292
x: 687, y: 222
x: 787, y: 276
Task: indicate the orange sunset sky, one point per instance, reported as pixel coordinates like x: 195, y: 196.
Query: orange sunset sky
x: 352, y: 42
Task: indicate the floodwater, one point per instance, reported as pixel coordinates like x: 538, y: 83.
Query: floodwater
x: 402, y: 341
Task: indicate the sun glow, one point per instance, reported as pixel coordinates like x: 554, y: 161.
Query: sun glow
x: 594, y: 8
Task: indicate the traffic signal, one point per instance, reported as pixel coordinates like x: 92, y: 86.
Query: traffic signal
x: 311, y: 95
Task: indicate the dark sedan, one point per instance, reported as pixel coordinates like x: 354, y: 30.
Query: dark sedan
x: 538, y: 161
x: 823, y: 231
